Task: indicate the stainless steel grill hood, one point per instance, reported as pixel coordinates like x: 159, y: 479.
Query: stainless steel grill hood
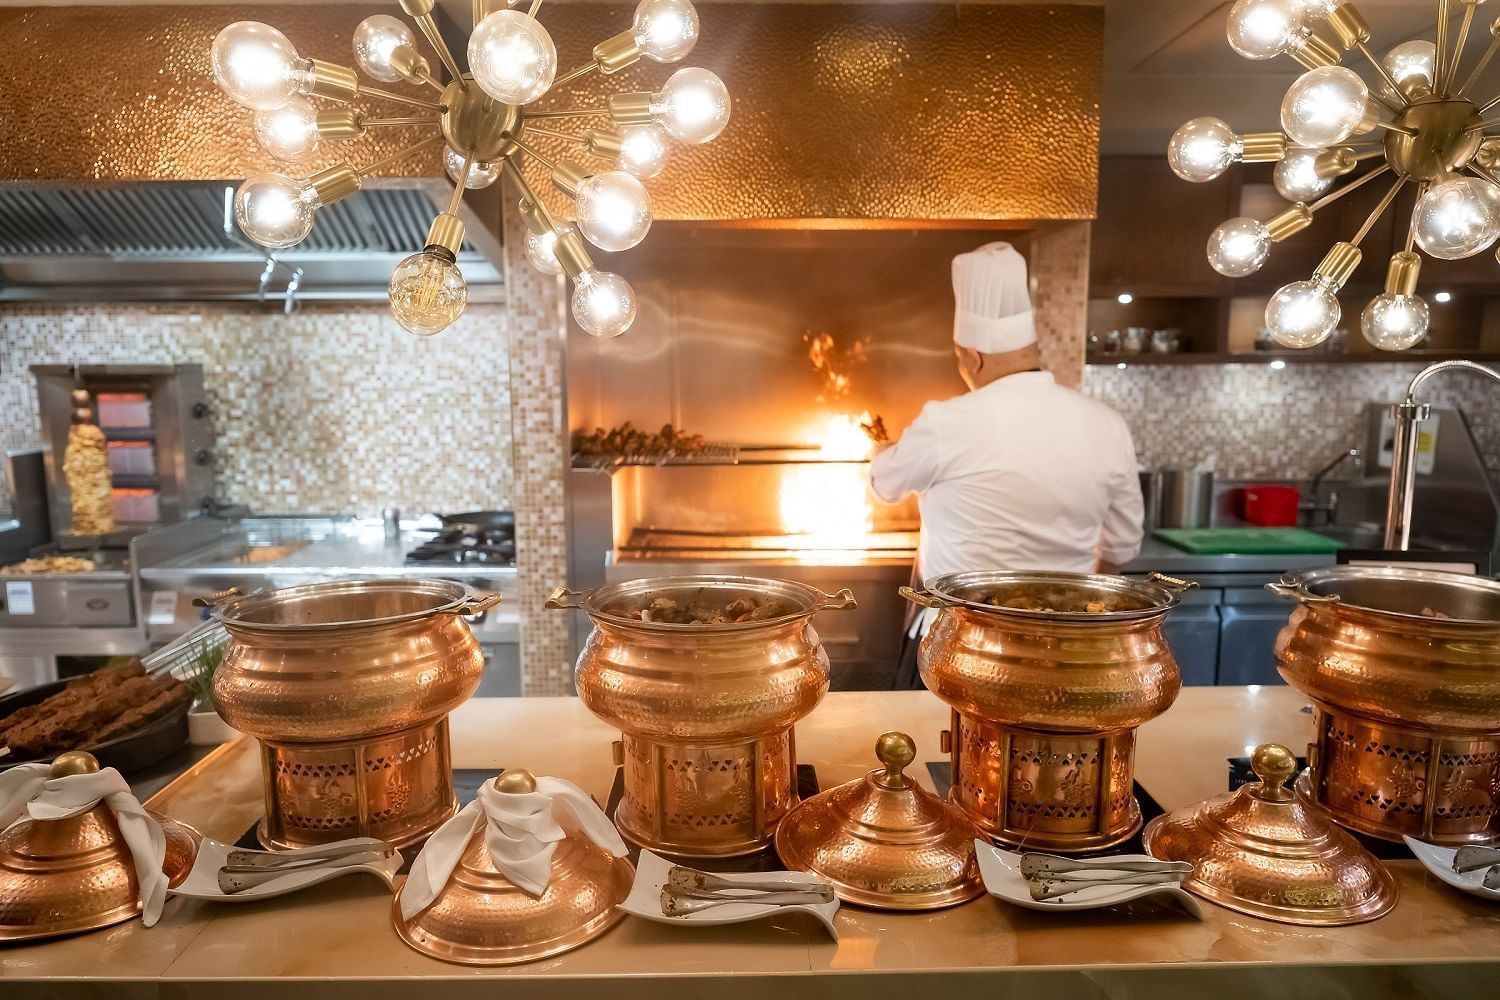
x: 163, y: 241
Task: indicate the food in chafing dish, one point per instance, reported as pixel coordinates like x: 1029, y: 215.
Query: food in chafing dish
x: 49, y: 564
x: 1055, y: 601
x: 86, y: 467
x: 91, y: 710
x: 668, y: 610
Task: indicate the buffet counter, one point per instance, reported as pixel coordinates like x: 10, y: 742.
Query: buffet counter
x: 337, y: 939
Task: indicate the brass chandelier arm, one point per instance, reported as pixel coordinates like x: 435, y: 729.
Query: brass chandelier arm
x: 1484, y: 172
x: 1490, y: 105
x: 1440, y: 53
x: 397, y: 157
x: 458, y: 186
x: 1385, y: 75
x: 548, y: 133
x: 1483, y: 124
x: 532, y: 151
x: 1353, y: 185
x: 575, y: 73
x: 386, y: 95
x: 392, y: 122
x: 1378, y: 211
x: 1393, y: 127
x: 1463, y: 36
x: 1484, y: 63
x: 518, y: 178
x: 534, y: 5
x: 420, y: 11
x: 568, y: 113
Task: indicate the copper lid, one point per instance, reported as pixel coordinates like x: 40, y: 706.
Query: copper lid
x: 884, y: 841
x: 483, y: 918
x: 76, y: 874
x: 1265, y: 851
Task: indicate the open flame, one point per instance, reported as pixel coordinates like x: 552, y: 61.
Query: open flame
x: 828, y: 505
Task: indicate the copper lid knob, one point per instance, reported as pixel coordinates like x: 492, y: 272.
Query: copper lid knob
x: 1274, y: 764
x: 896, y: 751
x: 74, y: 762
x: 517, y: 781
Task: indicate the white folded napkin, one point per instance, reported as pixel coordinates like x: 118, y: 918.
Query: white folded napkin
x: 521, y: 832
x: 29, y: 791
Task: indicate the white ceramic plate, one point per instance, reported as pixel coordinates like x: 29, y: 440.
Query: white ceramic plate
x: 203, y: 881
x: 644, y: 900
x: 1001, y: 871
x: 1439, y: 861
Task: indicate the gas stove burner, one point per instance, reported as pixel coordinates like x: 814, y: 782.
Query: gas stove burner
x: 488, y: 541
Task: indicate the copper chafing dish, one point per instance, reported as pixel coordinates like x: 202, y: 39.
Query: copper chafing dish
x: 347, y: 686
x: 1268, y: 852
x: 1404, y: 668
x: 483, y: 918
x: 884, y: 841
x: 76, y: 874
x: 1047, y: 692
x: 706, y: 710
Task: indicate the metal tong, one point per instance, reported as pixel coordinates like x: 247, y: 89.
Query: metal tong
x: 246, y: 869
x: 688, y: 890
x: 1051, y: 877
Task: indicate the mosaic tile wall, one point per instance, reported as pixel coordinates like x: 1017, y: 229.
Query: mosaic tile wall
x: 1059, y: 262
x: 1262, y: 423
x: 538, y: 323
x: 332, y: 409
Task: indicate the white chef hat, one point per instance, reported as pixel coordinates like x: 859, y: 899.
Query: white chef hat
x: 992, y: 307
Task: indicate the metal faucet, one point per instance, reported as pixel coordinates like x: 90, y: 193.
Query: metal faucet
x: 1409, y: 413
x: 1331, y: 508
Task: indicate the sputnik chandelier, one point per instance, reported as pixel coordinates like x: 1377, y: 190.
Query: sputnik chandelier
x: 1419, y: 125
x: 486, y: 120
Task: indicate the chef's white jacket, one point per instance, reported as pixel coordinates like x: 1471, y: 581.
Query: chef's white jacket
x: 1020, y: 474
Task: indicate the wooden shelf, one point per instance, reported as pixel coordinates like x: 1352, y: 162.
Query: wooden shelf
x: 1291, y: 357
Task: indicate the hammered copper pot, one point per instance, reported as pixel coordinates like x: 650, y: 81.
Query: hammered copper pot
x: 347, y: 686
x: 1047, y: 694
x: 706, y: 711
x: 1404, y: 668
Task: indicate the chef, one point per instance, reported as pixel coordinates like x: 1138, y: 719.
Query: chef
x: 1018, y: 472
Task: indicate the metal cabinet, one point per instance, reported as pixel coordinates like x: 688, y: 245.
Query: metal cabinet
x: 1192, y: 632
x: 1250, y: 621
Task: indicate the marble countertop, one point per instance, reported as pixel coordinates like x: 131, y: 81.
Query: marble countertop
x: 337, y: 940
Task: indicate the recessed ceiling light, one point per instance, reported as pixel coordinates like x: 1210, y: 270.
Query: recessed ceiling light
x: 1122, y: 366
x: 1442, y: 296
x: 1277, y: 365
x: 1124, y: 298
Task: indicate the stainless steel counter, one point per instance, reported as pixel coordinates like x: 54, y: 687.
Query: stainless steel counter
x: 1159, y: 556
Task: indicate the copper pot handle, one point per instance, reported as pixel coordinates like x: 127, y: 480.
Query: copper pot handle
x: 841, y: 601
x: 1176, y: 584
x: 217, y: 597
x: 478, y: 603
x: 1297, y: 591
x: 922, y: 597
x: 556, y: 601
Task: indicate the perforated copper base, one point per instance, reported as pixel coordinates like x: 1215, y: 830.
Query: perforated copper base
x: 707, y: 801
x: 397, y: 787
x: 1047, y: 791
x: 1388, y: 781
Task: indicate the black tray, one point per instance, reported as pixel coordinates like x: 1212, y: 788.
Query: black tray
x: 132, y: 751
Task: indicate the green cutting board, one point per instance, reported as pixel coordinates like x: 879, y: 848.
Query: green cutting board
x: 1248, y: 541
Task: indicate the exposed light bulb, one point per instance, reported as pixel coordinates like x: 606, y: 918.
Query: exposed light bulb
x: 512, y: 57
x: 427, y: 292
x: 1296, y: 174
x: 1303, y: 313
x: 603, y: 303
x: 481, y: 175
x: 666, y: 30
x: 541, y: 249
x: 1324, y: 106
x: 1410, y: 64
x: 1455, y: 219
x: 275, y: 210
x: 1239, y: 247
x: 1202, y: 149
x: 614, y: 210
x: 693, y: 106
x: 256, y: 66
x: 291, y: 131
x: 1264, y: 29
x: 1394, y: 322
x: 375, y: 39
x: 643, y: 151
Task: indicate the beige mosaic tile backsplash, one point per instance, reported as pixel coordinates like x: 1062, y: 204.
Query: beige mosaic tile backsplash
x: 1274, y: 424
x: 331, y: 409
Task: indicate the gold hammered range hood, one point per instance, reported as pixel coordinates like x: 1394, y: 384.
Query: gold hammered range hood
x: 846, y: 115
